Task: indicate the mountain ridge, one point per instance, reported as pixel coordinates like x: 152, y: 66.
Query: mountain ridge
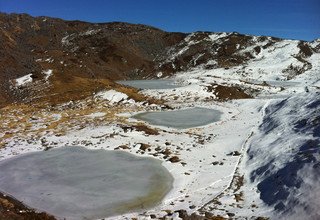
x: 82, y: 54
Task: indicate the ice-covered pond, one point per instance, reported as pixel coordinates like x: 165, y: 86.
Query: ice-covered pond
x: 150, y: 84
x: 76, y: 183
x: 181, y: 119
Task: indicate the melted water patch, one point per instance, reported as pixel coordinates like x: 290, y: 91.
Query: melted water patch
x: 150, y: 84
x: 181, y: 119
x: 76, y: 183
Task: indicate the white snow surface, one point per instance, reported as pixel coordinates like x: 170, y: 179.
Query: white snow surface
x: 96, y: 115
x: 112, y: 96
x: 23, y: 80
x: 90, y: 32
x: 216, y: 36
x: 47, y: 73
x: 283, y: 158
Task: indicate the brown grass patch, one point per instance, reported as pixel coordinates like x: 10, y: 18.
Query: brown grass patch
x: 20, y: 120
x: 140, y: 127
x: 228, y: 92
x: 238, y: 196
x: 12, y: 209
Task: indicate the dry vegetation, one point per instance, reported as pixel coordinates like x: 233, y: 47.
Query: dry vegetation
x: 11, y: 209
x: 228, y: 92
x: 21, y: 120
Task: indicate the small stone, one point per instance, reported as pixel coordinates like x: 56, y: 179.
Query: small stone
x: 174, y: 159
x: 215, y: 163
x: 230, y: 214
x: 144, y: 146
x: 122, y: 147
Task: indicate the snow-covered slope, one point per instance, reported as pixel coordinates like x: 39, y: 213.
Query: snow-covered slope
x: 243, y: 56
x: 284, y: 157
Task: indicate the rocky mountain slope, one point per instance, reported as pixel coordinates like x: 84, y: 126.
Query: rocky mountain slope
x: 64, y: 59
x: 78, y: 54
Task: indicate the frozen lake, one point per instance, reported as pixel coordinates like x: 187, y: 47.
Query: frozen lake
x: 181, y: 119
x: 150, y: 84
x: 76, y: 183
x: 279, y: 83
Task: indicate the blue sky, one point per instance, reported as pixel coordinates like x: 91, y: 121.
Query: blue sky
x: 293, y: 19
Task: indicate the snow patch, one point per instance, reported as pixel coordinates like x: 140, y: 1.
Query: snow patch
x: 89, y: 32
x: 49, y: 60
x: 47, y: 73
x: 217, y: 36
x: 96, y: 115
x: 66, y: 40
x: 112, y: 96
x: 22, y: 81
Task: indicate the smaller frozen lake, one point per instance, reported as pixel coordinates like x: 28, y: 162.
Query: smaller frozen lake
x: 279, y: 83
x: 181, y: 119
x: 150, y: 84
x: 76, y: 183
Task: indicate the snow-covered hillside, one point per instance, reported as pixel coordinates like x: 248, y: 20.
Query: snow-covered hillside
x: 242, y: 56
x: 284, y: 157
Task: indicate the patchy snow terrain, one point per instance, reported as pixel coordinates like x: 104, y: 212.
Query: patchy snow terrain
x: 112, y: 96
x: 260, y: 159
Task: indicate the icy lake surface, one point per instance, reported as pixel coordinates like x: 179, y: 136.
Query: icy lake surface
x: 181, y: 119
x: 150, y: 84
x: 76, y: 183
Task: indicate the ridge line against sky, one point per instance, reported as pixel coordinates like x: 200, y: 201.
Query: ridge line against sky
x: 290, y: 19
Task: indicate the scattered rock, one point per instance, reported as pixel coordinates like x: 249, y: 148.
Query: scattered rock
x: 124, y: 147
x: 174, y: 159
x: 47, y: 148
x: 166, y: 152
x: 144, y: 147
x: 234, y: 153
